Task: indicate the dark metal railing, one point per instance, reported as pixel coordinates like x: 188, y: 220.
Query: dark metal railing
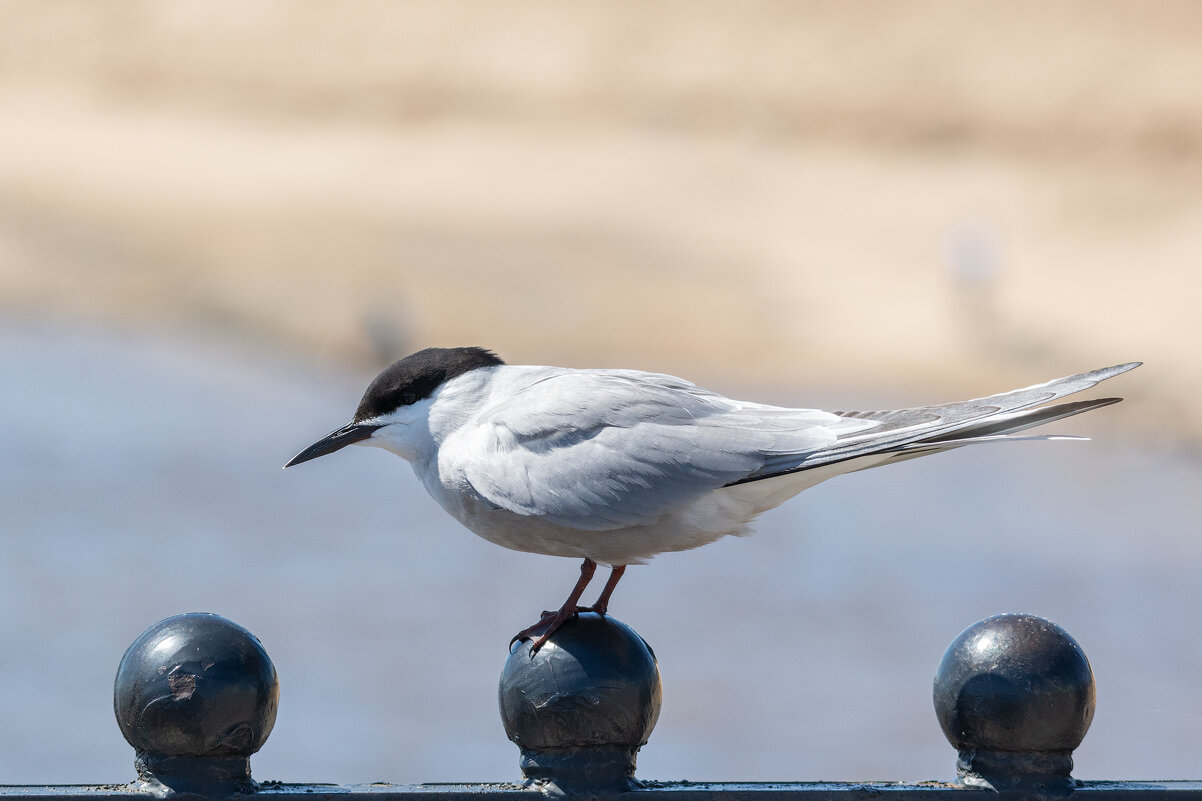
x: 196, y: 696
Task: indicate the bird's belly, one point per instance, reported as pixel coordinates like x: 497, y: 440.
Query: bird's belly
x: 706, y: 518
x: 703, y: 521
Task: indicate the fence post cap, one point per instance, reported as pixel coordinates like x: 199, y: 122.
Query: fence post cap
x: 195, y: 695
x: 1015, y: 695
x: 581, y: 707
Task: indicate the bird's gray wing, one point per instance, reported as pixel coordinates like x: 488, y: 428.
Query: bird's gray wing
x: 599, y: 450
x: 927, y: 429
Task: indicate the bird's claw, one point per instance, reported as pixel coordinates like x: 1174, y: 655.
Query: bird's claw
x: 548, y: 624
x: 544, y: 630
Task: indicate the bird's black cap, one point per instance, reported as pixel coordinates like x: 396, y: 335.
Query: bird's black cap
x: 416, y: 376
x: 403, y: 384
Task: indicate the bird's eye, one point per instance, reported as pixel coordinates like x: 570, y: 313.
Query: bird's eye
x: 409, y: 398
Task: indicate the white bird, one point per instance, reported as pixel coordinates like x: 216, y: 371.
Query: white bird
x: 617, y: 466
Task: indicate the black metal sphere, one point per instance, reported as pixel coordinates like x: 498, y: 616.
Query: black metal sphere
x: 1014, y: 683
x: 595, y: 683
x: 196, y: 685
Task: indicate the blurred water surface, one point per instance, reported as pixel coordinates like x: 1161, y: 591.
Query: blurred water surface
x: 141, y: 478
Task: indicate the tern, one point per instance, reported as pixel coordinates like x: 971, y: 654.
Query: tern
x: 617, y: 466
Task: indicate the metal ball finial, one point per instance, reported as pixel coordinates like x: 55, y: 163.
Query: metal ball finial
x: 581, y: 707
x: 1015, y: 695
x: 196, y: 695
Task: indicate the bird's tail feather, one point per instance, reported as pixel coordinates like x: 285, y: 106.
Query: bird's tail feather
x: 1020, y: 420
x: 916, y: 449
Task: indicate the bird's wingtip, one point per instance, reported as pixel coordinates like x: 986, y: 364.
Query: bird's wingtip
x: 1103, y: 373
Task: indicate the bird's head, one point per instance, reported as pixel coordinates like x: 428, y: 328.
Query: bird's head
x: 398, y: 398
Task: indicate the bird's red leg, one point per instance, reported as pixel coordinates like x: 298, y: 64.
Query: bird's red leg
x: 602, y: 604
x: 553, y: 620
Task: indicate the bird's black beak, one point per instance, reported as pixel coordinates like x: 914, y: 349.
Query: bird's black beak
x: 335, y: 440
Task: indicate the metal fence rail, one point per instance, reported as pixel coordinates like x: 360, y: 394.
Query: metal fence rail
x: 196, y: 696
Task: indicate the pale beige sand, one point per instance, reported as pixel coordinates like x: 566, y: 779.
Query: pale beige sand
x: 953, y: 197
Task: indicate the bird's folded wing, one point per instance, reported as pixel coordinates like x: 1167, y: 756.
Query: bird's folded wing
x: 600, y: 450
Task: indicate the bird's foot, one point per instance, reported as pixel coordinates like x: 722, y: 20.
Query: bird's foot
x: 575, y: 610
x: 548, y: 624
x: 541, y: 631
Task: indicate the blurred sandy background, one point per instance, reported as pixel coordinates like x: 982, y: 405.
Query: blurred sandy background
x: 217, y: 219
x: 933, y: 194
